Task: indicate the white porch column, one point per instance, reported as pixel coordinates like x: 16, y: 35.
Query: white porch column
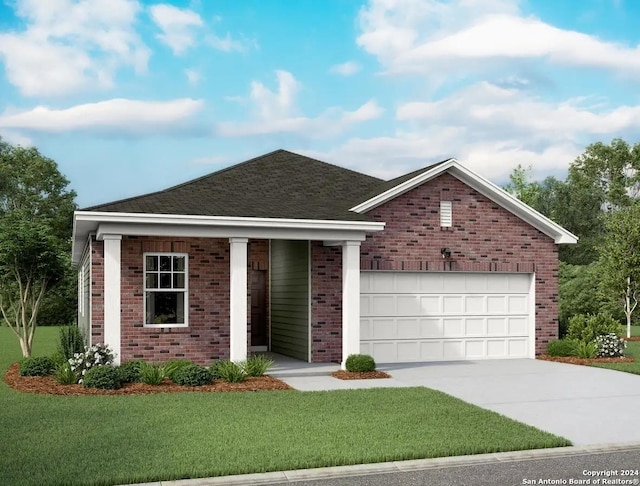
x: 238, y: 296
x: 112, y: 251
x: 350, y: 299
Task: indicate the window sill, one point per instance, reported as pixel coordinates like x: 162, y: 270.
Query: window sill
x: 164, y: 326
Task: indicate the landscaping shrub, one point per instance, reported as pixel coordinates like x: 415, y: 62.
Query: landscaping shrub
x: 610, y: 346
x: 588, y: 327
x: 106, y: 377
x: 70, y: 341
x: 65, y: 375
x: 130, y: 371
x: 229, y: 371
x: 192, y: 375
x: 97, y: 355
x: 586, y: 350
x: 360, y: 363
x: 562, y: 347
x: 173, y: 366
x: 151, y: 374
x: 39, y: 366
x: 257, y: 365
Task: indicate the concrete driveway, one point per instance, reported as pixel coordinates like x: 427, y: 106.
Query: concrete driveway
x: 586, y: 405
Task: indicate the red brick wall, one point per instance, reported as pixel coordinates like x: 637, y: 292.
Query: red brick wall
x: 97, y: 292
x: 326, y: 303
x: 207, y: 336
x: 484, y: 237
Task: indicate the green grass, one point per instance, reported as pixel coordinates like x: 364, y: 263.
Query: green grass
x: 122, y: 439
x: 633, y: 350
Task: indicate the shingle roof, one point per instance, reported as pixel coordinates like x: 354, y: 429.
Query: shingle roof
x: 280, y: 184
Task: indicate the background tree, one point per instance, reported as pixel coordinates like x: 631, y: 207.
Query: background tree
x: 36, y: 210
x: 620, y: 259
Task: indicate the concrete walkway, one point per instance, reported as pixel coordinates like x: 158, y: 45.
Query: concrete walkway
x: 584, y: 404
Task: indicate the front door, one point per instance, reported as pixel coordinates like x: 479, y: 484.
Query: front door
x: 259, y: 330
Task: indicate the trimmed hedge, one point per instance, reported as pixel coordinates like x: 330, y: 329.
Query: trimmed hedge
x: 360, y: 363
x: 130, y: 371
x: 106, y: 377
x: 193, y: 375
x: 562, y: 347
x: 38, y: 366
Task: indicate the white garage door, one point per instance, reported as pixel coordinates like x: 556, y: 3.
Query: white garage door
x: 407, y: 316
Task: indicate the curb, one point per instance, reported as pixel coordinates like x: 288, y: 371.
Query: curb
x: 395, y: 466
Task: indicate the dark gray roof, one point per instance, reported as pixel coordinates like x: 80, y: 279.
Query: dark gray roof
x: 280, y: 184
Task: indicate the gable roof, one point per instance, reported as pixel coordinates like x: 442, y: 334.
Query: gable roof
x: 483, y: 186
x: 280, y: 184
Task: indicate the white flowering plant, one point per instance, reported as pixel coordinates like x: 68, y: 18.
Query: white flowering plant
x: 610, y: 346
x: 96, y: 355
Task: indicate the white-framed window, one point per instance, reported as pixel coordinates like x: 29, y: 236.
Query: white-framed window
x: 446, y: 214
x: 166, y: 293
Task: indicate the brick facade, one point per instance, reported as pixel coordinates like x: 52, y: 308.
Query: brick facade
x: 207, y: 336
x: 484, y: 238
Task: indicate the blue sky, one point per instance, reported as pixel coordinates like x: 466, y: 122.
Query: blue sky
x: 134, y: 96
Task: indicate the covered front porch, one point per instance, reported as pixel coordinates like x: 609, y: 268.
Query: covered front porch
x: 340, y: 293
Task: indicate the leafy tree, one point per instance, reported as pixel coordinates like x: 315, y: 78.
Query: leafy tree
x: 612, y: 171
x: 36, y: 211
x: 620, y: 259
x: 522, y: 187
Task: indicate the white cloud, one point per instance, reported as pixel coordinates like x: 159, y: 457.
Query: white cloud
x: 277, y: 112
x: 68, y: 46
x: 430, y: 36
x: 492, y: 130
x: 177, y: 26
x: 348, y: 68
x: 121, y: 116
x: 229, y: 44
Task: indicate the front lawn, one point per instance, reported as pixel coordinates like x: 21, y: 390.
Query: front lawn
x: 633, y: 351
x: 123, y: 439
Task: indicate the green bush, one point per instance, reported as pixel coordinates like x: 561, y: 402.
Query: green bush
x: 70, y: 341
x: 229, y: 371
x: 130, y: 371
x: 360, y: 363
x: 588, y: 327
x: 257, y: 365
x: 586, y: 350
x: 106, y: 377
x: 151, y: 374
x: 39, y: 366
x: 562, y: 347
x: 173, y: 366
x: 66, y: 375
x: 192, y: 375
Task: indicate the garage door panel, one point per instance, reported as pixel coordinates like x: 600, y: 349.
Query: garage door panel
x: 453, y: 327
x: 496, y: 326
x: 431, y: 328
x: 430, y: 304
x: 475, y: 304
x: 452, y: 304
x: 412, y: 316
x: 517, y: 304
x: 474, y: 327
x: 517, y: 326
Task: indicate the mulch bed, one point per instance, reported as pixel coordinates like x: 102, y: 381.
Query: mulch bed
x: 352, y: 375
x: 47, y: 385
x: 584, y: 361
x: 632, y: 338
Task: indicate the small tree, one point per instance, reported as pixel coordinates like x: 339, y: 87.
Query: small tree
x: 620, y: 259
x: 36, y: 211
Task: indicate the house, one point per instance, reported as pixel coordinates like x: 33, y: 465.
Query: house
x: 314, y: 261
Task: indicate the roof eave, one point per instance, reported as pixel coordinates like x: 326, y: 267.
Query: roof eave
x: 483, y: 186
x: 170, y: 225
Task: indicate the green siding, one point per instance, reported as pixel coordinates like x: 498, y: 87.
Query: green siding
x: 290, y: 298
